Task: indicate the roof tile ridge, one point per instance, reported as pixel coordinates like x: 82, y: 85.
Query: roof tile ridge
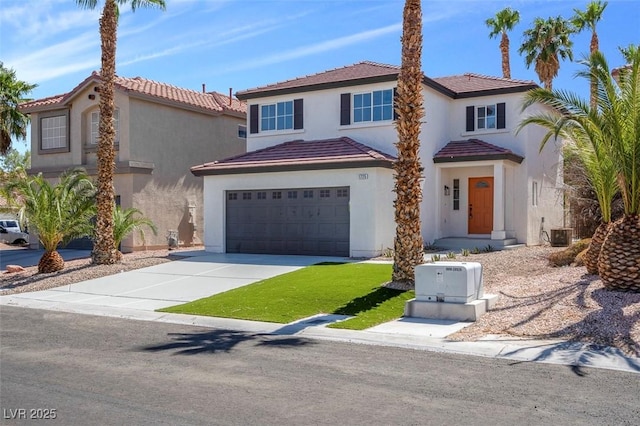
x: 496, y: 78
x: 320, y: 73
x: 489, y: 145
x: 261, y: 150
x: 48, y: 98
x: 379, y: 64
x: 365, y: 149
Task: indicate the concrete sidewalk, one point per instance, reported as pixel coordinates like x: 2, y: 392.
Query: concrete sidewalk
x: 137, y: 294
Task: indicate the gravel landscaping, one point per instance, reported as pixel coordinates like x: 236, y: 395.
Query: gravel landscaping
x: 535, y: 300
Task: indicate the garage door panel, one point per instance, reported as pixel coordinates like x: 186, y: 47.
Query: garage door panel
x: 311, y: 221
x: 293, y: 230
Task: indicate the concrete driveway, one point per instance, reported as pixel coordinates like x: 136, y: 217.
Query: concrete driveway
x: 200, y: 275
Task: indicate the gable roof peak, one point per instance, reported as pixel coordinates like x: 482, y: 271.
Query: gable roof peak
x: 149, y: 89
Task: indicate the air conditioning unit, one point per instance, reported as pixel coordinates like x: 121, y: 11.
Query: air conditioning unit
x: 561, y: 237
x: 455, y: 282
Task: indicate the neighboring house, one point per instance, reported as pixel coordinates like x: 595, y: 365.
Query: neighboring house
x: 318, y: 176
x: 161, y: 130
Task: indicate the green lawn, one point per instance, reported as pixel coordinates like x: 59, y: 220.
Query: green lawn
x: 344, y: 289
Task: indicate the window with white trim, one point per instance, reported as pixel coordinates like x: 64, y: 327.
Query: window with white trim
x: 242, y: 131
x: 278, y: 116
x: 373, y: 106
x: 53, y: 132
x: 486, y: 117
x: 481, y: 118
x: 95, y: 126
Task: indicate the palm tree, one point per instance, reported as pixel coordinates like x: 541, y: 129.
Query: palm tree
x: 576, y: 123
x: 545, y: 44
x: 125, y: 222
x: 103, y: 249
x: 59, y: 212
x: 619, y: 110
x: 408, y: 244
x: 13, y: 123
x: 588, y: 19
x: 503, y: 22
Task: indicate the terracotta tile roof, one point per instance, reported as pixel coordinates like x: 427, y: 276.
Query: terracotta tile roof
x: 336, y: 153
x: 210, y: 101
x: 474, y: 150
x: 361, y: 71
x: 475, y: 84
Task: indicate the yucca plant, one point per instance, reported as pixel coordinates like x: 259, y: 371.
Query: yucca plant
x: 59, y: 212
x: 574, y: 121
x: 127, y: 221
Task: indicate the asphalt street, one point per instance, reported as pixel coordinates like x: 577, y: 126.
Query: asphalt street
x: 108, y: 371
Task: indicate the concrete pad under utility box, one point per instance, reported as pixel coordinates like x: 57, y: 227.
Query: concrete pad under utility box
x: 458, y: 282
x: 467, y: 312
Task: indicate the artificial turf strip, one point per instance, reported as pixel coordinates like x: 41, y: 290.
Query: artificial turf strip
x: 347, y: 289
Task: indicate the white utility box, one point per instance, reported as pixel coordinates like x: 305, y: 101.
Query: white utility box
x: 454, y: 282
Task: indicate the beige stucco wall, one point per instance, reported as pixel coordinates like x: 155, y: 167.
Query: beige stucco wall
x: 173, y: 141
x: 158, y: 143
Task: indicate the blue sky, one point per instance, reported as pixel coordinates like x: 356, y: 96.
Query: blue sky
x: 241, y: 44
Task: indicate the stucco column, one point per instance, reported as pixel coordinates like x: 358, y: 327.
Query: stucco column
x: 498, y: 232
x: 439, y: 201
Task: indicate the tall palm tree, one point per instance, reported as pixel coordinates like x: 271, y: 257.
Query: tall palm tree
x: 103, y: 249
x: 127, y: 221
x: 588, y: 19
x: 544, y: 45
x: 576, y: 123
x: 59, y: 212
x: 408, y: 244
x: 13, y: 123
x: 502, y: 23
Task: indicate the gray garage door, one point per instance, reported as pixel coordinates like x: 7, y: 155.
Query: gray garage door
x: 306, y: 221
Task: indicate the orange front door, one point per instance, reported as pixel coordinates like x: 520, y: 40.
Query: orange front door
x: 480, y: 208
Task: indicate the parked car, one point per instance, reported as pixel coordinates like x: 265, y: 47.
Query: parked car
x: 13, y: 237
x: 11, y: 225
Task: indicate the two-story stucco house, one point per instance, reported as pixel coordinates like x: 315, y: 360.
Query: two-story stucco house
x: 318, y: 178
x: 161, y: 131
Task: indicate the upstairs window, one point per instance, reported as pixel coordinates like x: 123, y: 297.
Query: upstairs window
x: 95, y: 126
x: 277, y: 116
x: 367, y: 107
x: 373, y: 106
x: 286, y: 115
x: 54, y: 132
x: 485, y: 117
x: 242, y: 131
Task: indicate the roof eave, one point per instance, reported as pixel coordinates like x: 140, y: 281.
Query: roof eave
x: 256, y: 93
x: 459, y: 159
x: 492, y: 92
x: 293, y: 167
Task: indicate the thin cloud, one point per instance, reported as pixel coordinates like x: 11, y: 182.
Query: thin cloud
x: 314, y: 49
x: 71, y: 55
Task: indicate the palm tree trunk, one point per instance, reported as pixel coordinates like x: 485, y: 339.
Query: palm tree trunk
x: 103, y: 251
x: 504, y: 50
x: 593, y: 252
x: 408, y: 244
x: 619, y: 261
x: 51, y: 261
